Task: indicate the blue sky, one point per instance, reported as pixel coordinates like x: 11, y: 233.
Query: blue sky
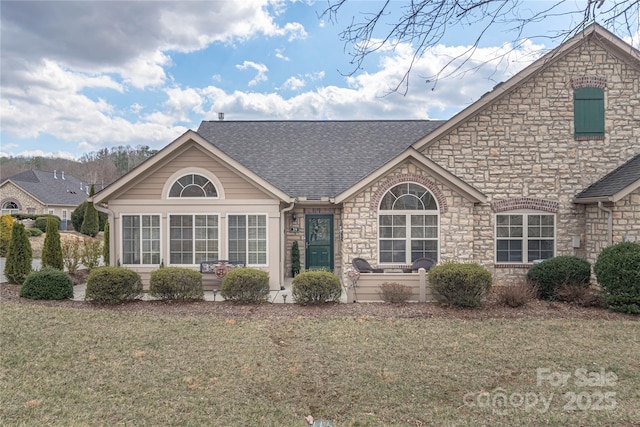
x: 77, y: 77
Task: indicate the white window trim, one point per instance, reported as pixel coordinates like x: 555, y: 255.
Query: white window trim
x: 190, y: 171
x: 408, y: 214
x: 122, y: 238
x: 525, y: 236
x: 245, y: 214
x: 193, y: 241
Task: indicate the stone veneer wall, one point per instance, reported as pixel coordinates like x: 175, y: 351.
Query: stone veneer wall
x: 360, y: 218
x: 15, y: 194
x: 626, y: 217
x: 523, y: 146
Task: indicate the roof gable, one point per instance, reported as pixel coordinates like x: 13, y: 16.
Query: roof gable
x: 615, y: 185
x: 594, y: 33
x: 50, y: 188
x: 314, y: 159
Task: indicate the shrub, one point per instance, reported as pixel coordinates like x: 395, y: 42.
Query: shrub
x: 112, y: 285
x: 618, y: 272
x: 460, y: 284
x: 51, y: 251
x: 77, y: 217
x: 6, y: 224
x: 552, y: 273
x: 516, y: 295
x: 18, y: 263
x: 41, y: 222
x: 245, y: 285
x: 295, y: 259
x: 91, y: 252
x: 105, y: 246
x: 316, y: 287
x: 90, y: 225
x: 176, y: 283
x: 71, y: 255
x: 395, y: 292
x: 34, y: 232
x: 579, y: 295
x: 48, y: 283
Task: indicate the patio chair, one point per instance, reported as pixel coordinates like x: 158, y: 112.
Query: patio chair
x: 362, y: 266
x: 425, y: 263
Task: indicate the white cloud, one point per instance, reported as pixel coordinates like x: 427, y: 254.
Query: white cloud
x: 280, y: 55
x: 260, y: 68
x: 293, y: 83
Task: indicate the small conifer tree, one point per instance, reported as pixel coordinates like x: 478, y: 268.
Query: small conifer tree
x: 90, y: 224
x: 18, y: 264
x: 6, y: 224
x: 295, y: 259
x: 105, y: 248
x: 52, y: 250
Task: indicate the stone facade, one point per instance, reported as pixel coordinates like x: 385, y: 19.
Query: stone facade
x: 12, y: 193
x: 520, y: 152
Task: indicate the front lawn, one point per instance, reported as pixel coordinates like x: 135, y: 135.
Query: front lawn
x: 75, y: 367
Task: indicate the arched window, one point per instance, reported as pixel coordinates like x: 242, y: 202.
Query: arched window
x: 407, y: 225
x: 9, y: 208
x: 193, y: 185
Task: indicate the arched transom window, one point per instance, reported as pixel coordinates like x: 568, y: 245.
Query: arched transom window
x: 9, y: 208
x: 193, y: 185
x: 407, y: 225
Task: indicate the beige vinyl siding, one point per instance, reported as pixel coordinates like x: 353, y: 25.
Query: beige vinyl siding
x: 150, y: 186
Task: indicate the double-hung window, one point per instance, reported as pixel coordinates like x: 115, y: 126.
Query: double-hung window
x: 407, y: 225
x: 193, y: 239
x: 248, y: 238
x: 524, y: 237
x: 141, y: 239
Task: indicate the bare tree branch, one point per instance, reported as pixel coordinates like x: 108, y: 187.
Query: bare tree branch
x: 424, y: 23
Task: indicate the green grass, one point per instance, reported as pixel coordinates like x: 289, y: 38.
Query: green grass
x: 74, y: 367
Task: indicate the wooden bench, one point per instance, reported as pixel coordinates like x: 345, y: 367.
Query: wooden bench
x: 218, y: 268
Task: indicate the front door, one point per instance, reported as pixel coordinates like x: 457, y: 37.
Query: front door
x: 319, y: 243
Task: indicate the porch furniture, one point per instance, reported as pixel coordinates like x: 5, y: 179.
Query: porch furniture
x: 362, y: 266
x: 425, y: 263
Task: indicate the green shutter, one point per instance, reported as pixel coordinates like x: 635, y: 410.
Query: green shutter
x: 588, y: 111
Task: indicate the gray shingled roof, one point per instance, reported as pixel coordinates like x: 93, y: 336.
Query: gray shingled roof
x: 51, y: 190
x: 615, y: 181
x: 314, y: 159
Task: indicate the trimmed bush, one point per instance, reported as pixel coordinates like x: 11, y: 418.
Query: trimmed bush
x: 41, y: 222
x: 34, y: 232
x: 105, y: 246
x: 245, y: 285
x: 18, y: 264
x: 77, y: 216
x: 176, y: 283
x: 618, y: 272
x: 295, y: 259
x: 51, y: 251
x: 395, y: 293
x: 90, y: 225
x: 48, y: 283
x: 460, y: 284
x: 316, y: 287
x: 551, y: 274
x: 112, y: 285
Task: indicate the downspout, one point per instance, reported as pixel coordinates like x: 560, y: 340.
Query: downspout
x: 609, y: 223
x: 283, y: 241
x: 112, y: 228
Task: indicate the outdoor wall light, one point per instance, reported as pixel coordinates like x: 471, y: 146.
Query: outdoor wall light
x: 294, y: 217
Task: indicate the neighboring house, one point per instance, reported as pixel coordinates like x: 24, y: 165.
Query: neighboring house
x: 40, y: 192
x: 545, y: 164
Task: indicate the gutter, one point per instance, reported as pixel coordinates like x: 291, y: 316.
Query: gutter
x: 112, y: 225
x: 609, y: 222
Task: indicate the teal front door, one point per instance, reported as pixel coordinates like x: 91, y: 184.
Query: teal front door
x: 319, y: 242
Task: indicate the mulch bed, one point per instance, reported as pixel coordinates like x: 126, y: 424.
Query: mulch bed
x: 535, y: 309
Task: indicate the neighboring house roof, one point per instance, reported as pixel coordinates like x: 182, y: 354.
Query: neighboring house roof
x: 50, y: 188
x: 594, y: 33
x: 315, y: 159
x: 615, y: 185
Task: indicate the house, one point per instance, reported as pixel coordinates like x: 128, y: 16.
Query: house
x: 40, y: 192
x: 545, y: 164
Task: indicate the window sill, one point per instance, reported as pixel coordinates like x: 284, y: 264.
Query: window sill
x: 518, y: 265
